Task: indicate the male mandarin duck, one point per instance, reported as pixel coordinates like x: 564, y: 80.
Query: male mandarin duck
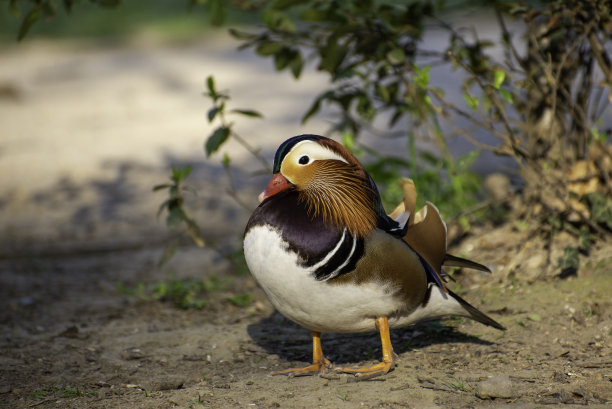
x: 329, y: 258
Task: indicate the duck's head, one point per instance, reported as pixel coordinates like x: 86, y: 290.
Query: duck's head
x: 329, y: 180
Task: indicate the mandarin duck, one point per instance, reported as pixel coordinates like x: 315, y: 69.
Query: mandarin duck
x: 329, y: 258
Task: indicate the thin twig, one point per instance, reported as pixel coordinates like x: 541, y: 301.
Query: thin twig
x: 484, y: 125
x: 555, y: 88
x: 513, y: 140
x: 251, y: 150
x: 495, y: 149
x: 231, y: 191
x: 507, y: 34
x: 482, y: 205
x: 601, y: 56
x: 500, y: 110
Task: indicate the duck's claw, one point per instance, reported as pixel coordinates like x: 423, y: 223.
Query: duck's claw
x: 319, y: 362
x: 369, y: 372
x: 389, y: 358
x: 313, y: 369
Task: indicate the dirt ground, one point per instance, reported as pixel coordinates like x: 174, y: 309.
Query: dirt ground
x: 79, y: 238
x: 71, y: 340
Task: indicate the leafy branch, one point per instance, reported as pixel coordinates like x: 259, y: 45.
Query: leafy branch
x: 222, y: 133
x: 177, y: 218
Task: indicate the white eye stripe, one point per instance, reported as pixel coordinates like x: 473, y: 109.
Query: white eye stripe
x: 313, y: 151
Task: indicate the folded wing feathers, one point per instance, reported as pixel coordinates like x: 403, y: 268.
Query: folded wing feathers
x: 426, y: 234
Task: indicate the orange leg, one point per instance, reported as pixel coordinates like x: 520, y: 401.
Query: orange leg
x: 319, y: 362
x: 388, y: 356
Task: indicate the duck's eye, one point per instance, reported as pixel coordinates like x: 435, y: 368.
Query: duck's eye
x: 304, y: 160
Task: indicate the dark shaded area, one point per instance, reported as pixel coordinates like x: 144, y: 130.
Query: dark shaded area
x: 277, y: 335
x: 121, y: 205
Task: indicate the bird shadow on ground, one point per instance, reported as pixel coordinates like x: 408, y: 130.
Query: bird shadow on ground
x: 277, y: 335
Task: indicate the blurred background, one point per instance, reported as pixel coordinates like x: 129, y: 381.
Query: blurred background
x: 136, y: 136
x: 96, y: 106
x: 98, y: 103
x: 100, y: 100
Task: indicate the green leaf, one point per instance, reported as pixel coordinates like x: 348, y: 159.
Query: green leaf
x: 383, y: 92
x: 316, y: 105
x: 506, y: 95
x: 314, y: 108
x: 486, y: 103
x: 160, y: 187
x: 248, y: 112
x: 348, y: 140
x: 430, y: 103
x: 499, y: 77
x: 396, y: 56
x: 268, y: 48
x: 284, y: 58
x: 471, y: 100
x: 241, y: 35
x: 464, y: 162
x: 278, y: 21
x: 175, y: 199
x: 598, y: 136
x: 241, y: 300
x: 162, y: 206
x: 296, y: 66
x: 365, y: 107
x: 226, y: 160
x: 175, y: 217
x: 179, y: 174
x: 331, y: 55
x: 28, y: 21
x: 210, y: 84
x: 212, y: 113
x: 421, y: 77
x: 218, y: 138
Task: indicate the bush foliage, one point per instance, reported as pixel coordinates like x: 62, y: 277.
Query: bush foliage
x: 545, y: 101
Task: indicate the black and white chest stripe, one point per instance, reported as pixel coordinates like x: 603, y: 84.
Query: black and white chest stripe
x: 340, y: 260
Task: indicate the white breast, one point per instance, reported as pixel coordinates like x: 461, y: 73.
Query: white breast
x: 316, y: 305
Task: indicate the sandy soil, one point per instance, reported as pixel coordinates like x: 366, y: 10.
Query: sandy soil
x: 84, y: 137
x: 71, y: 340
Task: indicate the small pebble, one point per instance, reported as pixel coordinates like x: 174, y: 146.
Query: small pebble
x: 495, y: 387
